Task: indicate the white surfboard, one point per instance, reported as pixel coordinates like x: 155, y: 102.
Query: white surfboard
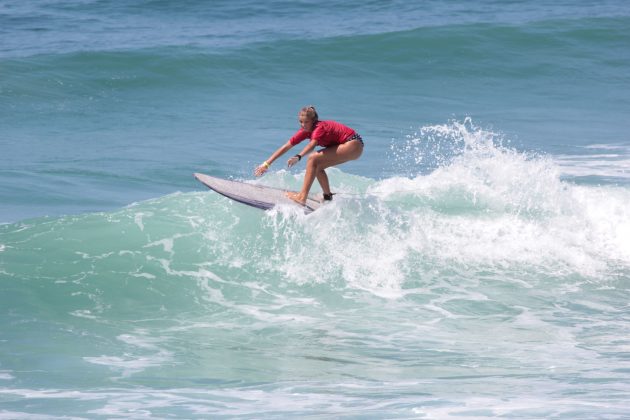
x: 257, y: 196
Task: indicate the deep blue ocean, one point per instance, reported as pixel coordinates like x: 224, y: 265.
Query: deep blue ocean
x: 474, y: 264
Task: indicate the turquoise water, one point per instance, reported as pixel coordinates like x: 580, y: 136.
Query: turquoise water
x: 474, y: 264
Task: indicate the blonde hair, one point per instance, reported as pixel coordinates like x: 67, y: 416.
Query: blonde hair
x: 310, y: 112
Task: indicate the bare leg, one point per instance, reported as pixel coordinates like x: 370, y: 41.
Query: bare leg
x: 326, y: 158
x: 311, y: 171
x: 322, y: 178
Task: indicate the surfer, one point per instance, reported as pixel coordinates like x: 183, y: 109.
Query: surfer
x: 340, y: 144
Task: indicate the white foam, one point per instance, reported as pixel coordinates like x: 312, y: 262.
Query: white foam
x: 130, y: 364
x: 608, y: 147
x: 605, y: 166
x: 83, y: 313
x: 166, y: 244
x: 20, y: 415
x: 144, y: 275
x: 612, y: 161
x: 6, y: 375
x: 431, y: 398
x: 138, y: 217
x: 486, y: 206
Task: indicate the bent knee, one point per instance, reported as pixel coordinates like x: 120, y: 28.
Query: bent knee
x: 313, y: 159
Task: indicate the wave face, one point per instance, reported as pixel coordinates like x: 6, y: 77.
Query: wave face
x: 487, y: 273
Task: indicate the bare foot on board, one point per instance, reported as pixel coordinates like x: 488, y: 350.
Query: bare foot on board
x: 297, y: 197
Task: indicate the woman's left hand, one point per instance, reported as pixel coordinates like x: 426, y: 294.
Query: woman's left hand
x: 292, y: 161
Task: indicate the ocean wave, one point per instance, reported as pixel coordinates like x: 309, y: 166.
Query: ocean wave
x: 417, y: 273
x: 77, y: 26
x: 456, y: 50
x: 484, y: 205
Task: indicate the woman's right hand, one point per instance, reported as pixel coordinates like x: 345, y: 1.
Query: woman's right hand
x: 260, y: 170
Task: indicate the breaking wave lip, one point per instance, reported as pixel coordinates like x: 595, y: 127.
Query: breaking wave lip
x: 467, y: 200
x: 461, y: 165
